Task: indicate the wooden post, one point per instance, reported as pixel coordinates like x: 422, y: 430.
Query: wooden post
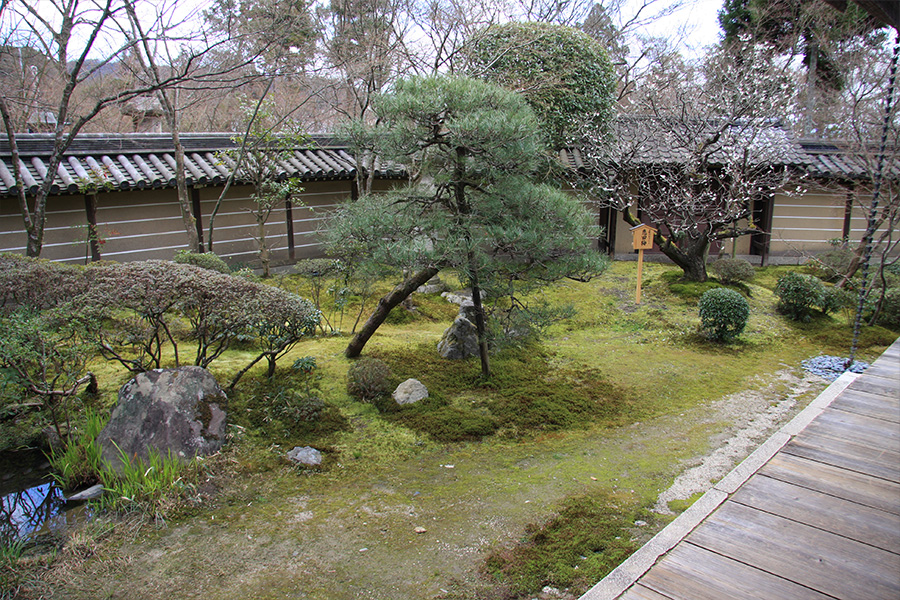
x: 637, y: 295
x: 642, y: 237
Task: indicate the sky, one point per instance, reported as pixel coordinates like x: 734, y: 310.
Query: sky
x: 702, y: 17
x: 697, y: 18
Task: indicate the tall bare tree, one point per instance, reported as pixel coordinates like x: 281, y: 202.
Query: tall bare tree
x: 78, y: 46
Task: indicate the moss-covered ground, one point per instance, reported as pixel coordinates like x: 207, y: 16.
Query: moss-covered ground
x: 489, y: 489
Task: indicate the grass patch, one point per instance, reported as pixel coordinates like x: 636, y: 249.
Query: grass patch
x: 588, y: 538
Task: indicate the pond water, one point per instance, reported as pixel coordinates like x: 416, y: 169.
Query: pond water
x: 31, y: 503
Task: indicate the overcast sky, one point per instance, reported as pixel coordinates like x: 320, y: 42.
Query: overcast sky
x: 698, y: 18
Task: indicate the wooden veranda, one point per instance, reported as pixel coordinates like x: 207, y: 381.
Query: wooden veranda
x: 814, y: 513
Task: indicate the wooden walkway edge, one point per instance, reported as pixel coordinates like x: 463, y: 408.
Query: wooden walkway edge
x: 813, y: 513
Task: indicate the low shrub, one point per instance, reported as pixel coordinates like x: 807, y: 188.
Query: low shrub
x: 204, y: 260
x: 732, y: 270
x: 835, y: 299
x: 132, y: 313
x: 798, y: 293
x: 831, y: 265
x: 37, y: 284
x: 368, y: 379
x: 889, y: 316
x: 723, y: 314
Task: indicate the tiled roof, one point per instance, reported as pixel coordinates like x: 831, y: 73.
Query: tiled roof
x: 843, y: 161
x: 144, y: 161
x: 644, y: 141
x: 638, y: 141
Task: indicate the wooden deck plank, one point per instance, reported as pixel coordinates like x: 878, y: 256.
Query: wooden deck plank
x: 691, y: 572
x: 855, y: 427
x: 884, y: 370
x: 862, y: 458
x: 810, y: 557
x: 835, y: 515
x: 876, y: 385
x: 870, y: 405
x: 640, y: 592
x: 828, y: 479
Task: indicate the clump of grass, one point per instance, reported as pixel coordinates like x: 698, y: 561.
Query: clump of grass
x: 144, y: 485
x: 587, y: 539
x: 80, y: 462
x: 11, y: 575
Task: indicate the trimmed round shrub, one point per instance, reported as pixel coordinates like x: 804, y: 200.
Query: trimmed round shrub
x: 368, y: 379
x: 205, y: 260
x: 723, y: 314
x: 798, y: 293
x: 732, y: 270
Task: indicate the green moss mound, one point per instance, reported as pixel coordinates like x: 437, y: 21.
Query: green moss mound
x: 527, y: 394
x: 587, y: 539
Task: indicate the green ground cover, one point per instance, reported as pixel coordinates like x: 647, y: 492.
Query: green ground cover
x: 535, y: 477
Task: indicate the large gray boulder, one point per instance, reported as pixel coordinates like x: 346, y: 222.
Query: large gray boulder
x: 182, y: 410
x: 460, y: 340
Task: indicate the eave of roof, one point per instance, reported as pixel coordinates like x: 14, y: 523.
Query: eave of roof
x: 146, y: 161
x: 842, y: 160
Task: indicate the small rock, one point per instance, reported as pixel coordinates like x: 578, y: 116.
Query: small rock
x: 640, y: 523
x: 95, y: 491
x: 432, y: 286
x: 461, y: 297
x: 420, y: 530
x: 551, y: 591
x: 410, y: 392
x: 306, y: 455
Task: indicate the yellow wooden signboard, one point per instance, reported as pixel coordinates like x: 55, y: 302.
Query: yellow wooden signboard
x: 642, y: 239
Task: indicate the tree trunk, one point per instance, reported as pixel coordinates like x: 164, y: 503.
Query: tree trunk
x: 395, y: 297
x: 690, y: 257
x: 34, y: 241
x: 480, y: 328
x: 184, y: 202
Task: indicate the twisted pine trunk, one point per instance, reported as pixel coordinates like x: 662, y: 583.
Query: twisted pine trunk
x: 395, y: 297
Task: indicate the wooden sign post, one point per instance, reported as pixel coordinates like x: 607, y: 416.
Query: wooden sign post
x: 642, y: 238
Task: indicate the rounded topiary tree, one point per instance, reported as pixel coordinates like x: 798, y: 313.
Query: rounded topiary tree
x: 723, y: 314
x: 732, y: 270
x: 798, y: 293
x: 563, y: 73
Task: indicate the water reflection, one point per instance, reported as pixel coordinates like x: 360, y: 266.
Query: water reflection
x: 26, y: 511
